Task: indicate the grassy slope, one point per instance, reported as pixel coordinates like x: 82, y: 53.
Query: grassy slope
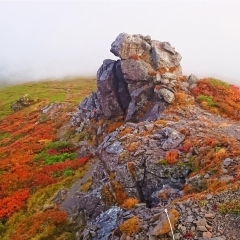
x: 27, y: 184
x: 72, y: 90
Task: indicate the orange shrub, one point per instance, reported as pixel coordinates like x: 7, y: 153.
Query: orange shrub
x: 171, y: 156
x: 129, y: 203
x: 13, y: 203
x: 131, y: 226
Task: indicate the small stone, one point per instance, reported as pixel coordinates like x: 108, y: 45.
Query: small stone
x: 207, y: 235
x: 206, y: 175
x: 202, y: 228
x: 167, y: 95
x: 202, y: 222
x: 209, y: 196
x: 209, y: 215
x: 224, y: 170
x: 149, y: 127
x: 227, y: 162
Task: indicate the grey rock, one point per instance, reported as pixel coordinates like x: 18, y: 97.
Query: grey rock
x: 163, y: 56
x: 185, y: 85
x: 206, y: 175
x: 167, y: 46
x: 167, y: 95
x: 171, y: 138
x: 192, y: 79
x: 140, y: 98
x: 114, y: 148
x: 127, y: 45
x: 106, y: 92
x: 227, y: 162
x: 136, y: 70
x: 169, y: 75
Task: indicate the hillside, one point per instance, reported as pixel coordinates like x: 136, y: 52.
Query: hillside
x: 147, y: 139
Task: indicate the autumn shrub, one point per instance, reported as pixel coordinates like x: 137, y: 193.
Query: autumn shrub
x: 125, y: 131
x: 131, y: 226
x: 161, y: 121
x: 129, y: 203
x: 171, y: 156
x: 186, y: 146
x: 132, y: 146
x: 118, y: 189
x: 44, y: 224
x: 13, y: 203
x: 218, y: 97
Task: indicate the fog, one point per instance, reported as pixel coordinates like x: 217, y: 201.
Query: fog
x: 52, y: 39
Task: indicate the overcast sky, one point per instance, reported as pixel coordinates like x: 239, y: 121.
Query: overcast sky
x: 63, y: 38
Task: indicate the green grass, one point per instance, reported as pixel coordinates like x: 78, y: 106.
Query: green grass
x: 207, y: 99
x: 71, y: 90
x: 49, y: 160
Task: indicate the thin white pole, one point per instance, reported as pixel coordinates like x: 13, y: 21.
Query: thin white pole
x: 166, y: 211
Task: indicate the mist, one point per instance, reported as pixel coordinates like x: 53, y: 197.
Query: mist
x: 41, y: 40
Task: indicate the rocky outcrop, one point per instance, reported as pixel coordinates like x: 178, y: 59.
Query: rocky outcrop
x: 146, y: 75
x: 21, y: 103
x: 132, y: 164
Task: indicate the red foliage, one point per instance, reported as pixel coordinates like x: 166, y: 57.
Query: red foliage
x: 13, y: 203
x: 226, y: 98
x: 38, y: 222
x: 25, y: 137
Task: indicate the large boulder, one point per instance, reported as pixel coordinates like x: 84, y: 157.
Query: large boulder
x: 145, y: 75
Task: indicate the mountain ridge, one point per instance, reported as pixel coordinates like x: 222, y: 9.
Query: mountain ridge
x: 109, y: 170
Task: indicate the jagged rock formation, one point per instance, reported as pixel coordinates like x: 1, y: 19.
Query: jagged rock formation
x: 138, y: 85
